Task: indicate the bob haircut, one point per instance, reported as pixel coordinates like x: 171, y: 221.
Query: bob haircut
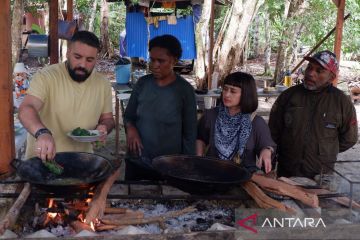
x: 249, y: 98
x: 168, y: 42
x: 87, y: 38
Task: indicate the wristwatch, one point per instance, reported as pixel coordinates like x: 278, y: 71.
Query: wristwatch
x: 42, y: 131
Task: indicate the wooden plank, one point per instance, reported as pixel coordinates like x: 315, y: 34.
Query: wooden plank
x: 7, y: 142
x: 339, y: 32
x: 53, y: 28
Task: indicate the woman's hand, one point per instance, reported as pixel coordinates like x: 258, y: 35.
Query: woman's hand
x: 265, y: 159
x: 45, y: 147
x: 133, y: 140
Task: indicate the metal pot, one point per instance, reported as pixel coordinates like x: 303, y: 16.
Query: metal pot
x: 200, y: 175
x: 81, y: 172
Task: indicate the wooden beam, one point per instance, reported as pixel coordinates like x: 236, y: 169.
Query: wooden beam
x: 211, y: 44
x: 339, y: 32
x: 70, y: 14
x: 54, y: 40
x: 7, y: 142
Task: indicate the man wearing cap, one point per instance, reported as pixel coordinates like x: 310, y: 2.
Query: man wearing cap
x: 314, y: 121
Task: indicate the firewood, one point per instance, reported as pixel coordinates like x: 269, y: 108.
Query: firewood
x: 107, y: 227
x: 129, y: 215
x: 159, y: 219
x: 282, y: 188
x: 98, y: 202
x: 263, y: 200
x: 345, y: 201
x: 79, y: 226
x: 12, y: 215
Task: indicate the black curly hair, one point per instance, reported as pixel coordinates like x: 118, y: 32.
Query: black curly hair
x: 168, y: 42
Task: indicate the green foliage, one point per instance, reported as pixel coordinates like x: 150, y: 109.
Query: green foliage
x: 117, y: 18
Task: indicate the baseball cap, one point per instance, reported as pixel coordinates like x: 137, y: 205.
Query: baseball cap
x: 326, y: 59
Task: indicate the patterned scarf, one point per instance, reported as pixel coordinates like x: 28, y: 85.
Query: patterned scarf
x: 231, y: 133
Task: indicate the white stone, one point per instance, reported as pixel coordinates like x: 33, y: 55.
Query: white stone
x: 86, y: 233
x: 130, y: 230
x: 220, y: 227
x: 8, y: 234
x: 41, y: 234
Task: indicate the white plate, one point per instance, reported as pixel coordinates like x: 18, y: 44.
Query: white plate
x: 93, y: 138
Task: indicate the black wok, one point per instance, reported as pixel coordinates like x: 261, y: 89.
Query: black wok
x: 81, y: 172
x: 200, y: 175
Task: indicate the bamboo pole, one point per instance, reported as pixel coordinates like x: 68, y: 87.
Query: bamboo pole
x: 7, y: 143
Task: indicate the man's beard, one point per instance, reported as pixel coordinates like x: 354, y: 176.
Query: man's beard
x: 77, y: 77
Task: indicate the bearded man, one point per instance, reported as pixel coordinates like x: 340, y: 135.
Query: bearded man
x: 65, y: 96
x: 314, y: 121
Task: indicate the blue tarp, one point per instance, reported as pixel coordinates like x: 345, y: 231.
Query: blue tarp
x: 137, y: 35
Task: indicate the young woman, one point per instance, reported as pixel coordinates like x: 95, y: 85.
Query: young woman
x: 232, y: 131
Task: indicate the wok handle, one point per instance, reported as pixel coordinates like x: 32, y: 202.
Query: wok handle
x: 15, y: 163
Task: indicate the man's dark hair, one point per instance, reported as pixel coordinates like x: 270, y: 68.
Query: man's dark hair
x: 245, y: 81
x: 168, y: 42
x: 86, y: 37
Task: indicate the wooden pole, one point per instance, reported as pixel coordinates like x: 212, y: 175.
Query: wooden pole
x: 211, y: 44
x: 7, y: 142
x: 54, y: 40
x: 339, y: 32
x: 70, y: 14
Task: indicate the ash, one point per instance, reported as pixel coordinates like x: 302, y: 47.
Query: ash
x: 207, y: 213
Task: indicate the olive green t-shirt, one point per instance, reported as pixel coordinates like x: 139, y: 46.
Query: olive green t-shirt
x: 68, y: 105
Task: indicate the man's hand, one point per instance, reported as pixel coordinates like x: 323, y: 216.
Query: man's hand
x: 133, y: 140
x: 45, y: 147
x: 265, y: 158
x: 102, y: 128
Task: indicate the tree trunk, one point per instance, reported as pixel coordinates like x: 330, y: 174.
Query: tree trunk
x: 106, y: 48
x: 16, y: 30
x: 288, y: 36
x: 202, y: 45
x: 233, y: 43
x: 256, y: 45
x: 92, y: 16
x: 267, y: 52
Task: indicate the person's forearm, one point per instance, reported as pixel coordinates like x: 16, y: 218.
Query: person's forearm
x: 200, y: 148
x: 30, y: 119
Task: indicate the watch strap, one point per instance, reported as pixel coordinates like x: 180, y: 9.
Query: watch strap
x: 42, y: 131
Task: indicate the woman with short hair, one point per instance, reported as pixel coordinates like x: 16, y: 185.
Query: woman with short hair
x: 232, y: 131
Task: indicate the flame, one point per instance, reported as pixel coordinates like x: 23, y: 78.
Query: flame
x: 92, y: 226
x: 88, y: 200
x: 52, y: 215
x: 51, y: 202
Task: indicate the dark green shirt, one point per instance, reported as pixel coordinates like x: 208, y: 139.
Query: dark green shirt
x: 165, y: 117
x: 311, y: 128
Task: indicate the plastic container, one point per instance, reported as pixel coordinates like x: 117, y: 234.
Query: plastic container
x: 122, y: 73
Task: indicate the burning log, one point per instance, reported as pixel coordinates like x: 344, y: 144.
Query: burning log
x: 128, y: 215
x: 282, y: 188
x: 108, y: 227
x: 12, y: 215
x: 79, y: 226
x: 263, y: 200
x: 98, y: 203
x: 158, y: 219
x: 345, y: 201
